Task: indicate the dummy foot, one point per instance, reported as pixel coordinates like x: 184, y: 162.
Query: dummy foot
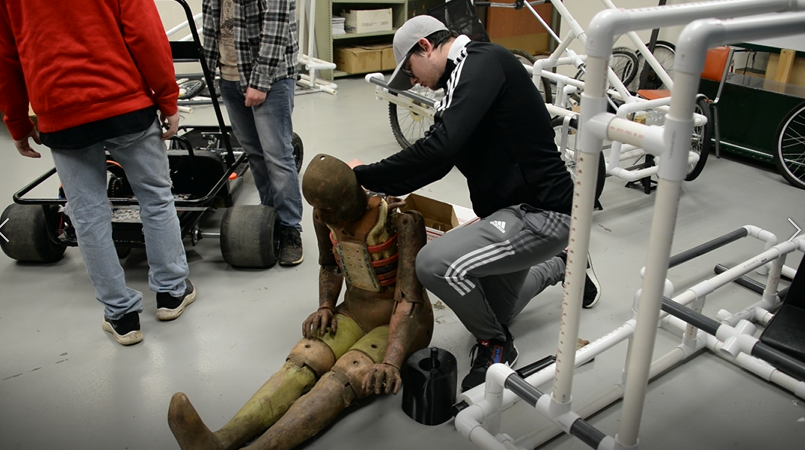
x: 187, y: 427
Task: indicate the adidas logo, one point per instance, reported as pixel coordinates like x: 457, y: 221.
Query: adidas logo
x: 499, y: 224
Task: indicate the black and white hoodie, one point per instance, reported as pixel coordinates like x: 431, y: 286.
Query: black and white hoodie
x: 493, y: 126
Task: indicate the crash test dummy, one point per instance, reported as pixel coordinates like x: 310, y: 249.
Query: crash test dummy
x: 349, y: 350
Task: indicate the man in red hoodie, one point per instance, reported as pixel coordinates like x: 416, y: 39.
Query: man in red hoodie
x: 96, y: 73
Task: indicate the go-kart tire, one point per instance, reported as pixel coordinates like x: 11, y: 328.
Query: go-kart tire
x: 250, y: 236
x: 26, y: 228
x: 298, y: 151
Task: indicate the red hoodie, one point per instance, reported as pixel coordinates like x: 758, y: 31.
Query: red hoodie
x: 80, y: 61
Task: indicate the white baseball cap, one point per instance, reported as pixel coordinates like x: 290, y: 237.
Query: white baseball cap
x: 405, y: 39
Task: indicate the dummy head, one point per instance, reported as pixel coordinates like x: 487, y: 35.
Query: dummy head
x: 330, y: 186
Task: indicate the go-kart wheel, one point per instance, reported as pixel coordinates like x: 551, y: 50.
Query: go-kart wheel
x: 250, y: 236
x: 298, y: 151
x: 26, y: 228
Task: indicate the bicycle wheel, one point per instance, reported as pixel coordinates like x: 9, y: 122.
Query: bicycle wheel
x: 700, y: 140
x: 789, y: 147
x: 664, y: 52
x: 623, y: 63
x: 407, y: 125
x: 569, y: 153
x: 545, y: 87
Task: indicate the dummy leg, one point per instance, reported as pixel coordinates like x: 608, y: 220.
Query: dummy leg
x: 307, y: 361
x: 335, y: 391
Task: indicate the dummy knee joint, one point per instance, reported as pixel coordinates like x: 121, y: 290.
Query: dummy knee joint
x: 314, y: 354
x: 353, y: 367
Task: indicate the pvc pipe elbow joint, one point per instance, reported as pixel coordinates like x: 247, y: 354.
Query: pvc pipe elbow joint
x: 601, y: 31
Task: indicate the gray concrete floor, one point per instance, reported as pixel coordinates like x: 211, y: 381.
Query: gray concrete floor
x: 64, y: 383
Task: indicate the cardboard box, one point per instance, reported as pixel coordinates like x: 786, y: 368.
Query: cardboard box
x: 386, y: 56
x: 358, y: 59
x: 367, y: 20
x: 440, y: 217
x: 387, y: 60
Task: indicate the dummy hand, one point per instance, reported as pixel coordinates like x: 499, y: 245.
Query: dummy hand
x: 384, y: 378
x: 316, y: 324
x: 24, y: 147
x: 395, y: 202
x: 173, y: 125
x: 254, y: 97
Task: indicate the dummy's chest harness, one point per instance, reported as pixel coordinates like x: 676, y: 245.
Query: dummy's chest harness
x: 368, y: 257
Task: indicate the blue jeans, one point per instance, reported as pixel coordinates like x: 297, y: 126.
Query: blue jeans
x: 265, y: 132
x: 143, y: 157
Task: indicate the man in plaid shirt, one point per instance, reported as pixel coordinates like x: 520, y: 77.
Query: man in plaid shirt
x: 254, y: 44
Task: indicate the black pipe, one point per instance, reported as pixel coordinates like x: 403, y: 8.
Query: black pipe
x: 700, y: 250
x: 523, y: 390
x: 780, y: 360
x: 690, y: 316
x: 535, y: 367
x: 587, y: 433
x: 776, y: 358
x: 580, y: 428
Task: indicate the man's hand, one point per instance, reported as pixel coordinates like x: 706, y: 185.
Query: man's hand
x: 173, y: 125
x: 316, y: 324
x: 254, y: 97
x: 24, y: 147
x: 384, y: 378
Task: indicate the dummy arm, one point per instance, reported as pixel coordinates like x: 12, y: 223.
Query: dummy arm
x: 330, y: 281
x: 411, y: 325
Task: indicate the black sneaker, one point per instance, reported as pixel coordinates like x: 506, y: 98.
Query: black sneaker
x: 592, y: 289
x: 170, y: 307
x: 486, y: 353
x: 291, y: 252
x: 126, y: 329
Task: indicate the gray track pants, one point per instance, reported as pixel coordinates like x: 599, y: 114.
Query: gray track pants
x: 487, y: 272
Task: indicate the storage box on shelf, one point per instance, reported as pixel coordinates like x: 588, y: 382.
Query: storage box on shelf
x: 328, y: 44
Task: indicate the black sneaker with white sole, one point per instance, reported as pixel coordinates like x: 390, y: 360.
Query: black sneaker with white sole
x: 291, y: 252
x: 126, y: 329
x: 170, y: 307
x: 484, y: 354
x: 592, y: 288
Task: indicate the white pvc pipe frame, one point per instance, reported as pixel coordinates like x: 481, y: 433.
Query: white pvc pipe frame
x: 670, y: 141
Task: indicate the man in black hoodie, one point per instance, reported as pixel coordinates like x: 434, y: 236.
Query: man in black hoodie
x: 493, y: 126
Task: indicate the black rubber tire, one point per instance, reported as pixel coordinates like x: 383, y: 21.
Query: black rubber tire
x: 624, y: 64
x: 26, y: 228
x: 546, y: 88
x: 250, y: 236
x: 406, y: 125
x: 701, y: 140
x: 557, y: 122
x: 664, y: 51
x: 789, y: 147
x: 298, y: 152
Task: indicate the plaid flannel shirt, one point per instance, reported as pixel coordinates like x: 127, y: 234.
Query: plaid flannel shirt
x: 265, y: 40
